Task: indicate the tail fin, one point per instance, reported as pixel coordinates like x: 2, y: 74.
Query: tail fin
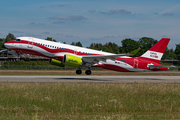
x: 156, y: 52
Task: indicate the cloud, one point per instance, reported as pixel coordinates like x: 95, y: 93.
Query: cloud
x: 45, y: 33
x: 92, y: 11
x: 58, y: 22
x: 69, y: 36
x: 59, y: 34
x: 53, y: 6
x: 78, y: 18
x: 33, y: 23
x: 16, y: 32
x: 116, y: 36
x: 168, y: 14
x: 61, y: 5
x: 32, y: 35
x: 95, y: 39
x: 121, y: 11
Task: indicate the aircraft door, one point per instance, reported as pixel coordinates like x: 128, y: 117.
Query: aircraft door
x: 30, y: 43
x: 75, y: 52
x: 136, y: 62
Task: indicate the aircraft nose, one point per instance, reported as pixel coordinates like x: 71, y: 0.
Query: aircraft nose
x: 8, y: 45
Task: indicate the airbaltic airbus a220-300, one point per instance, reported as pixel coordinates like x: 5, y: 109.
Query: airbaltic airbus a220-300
x: 62, y: 54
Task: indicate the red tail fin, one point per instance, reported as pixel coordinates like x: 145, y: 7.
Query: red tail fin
x: 156, y: 52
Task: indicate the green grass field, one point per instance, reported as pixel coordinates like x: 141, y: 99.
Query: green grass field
x: 40, y: 101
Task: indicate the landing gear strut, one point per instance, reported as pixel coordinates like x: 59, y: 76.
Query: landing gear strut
x: 78, y: 72
x: 88, y: 72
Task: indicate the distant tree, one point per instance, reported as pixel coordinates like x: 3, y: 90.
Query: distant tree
x: 115, y: 48
x: 8, y: 38
x: 108, y: 47
x: 72, y: 43
x: 169, y: 54
x: 145, y: 44
x: 177, y: 52
x: 1, y: 43
x: 50, y: 39
x: 128, y: 45
x: 78, y: 44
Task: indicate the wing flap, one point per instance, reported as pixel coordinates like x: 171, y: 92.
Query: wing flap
x: 95, y: 59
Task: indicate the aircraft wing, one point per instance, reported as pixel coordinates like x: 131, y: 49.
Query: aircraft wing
x: 95, y: 59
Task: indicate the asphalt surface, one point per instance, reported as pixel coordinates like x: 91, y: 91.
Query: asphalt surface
x: 91, y: 79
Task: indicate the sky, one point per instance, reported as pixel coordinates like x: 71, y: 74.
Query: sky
x: 91, y: 21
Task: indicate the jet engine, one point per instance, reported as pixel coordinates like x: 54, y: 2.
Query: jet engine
x: 56, y: 62
x: 71, y: 60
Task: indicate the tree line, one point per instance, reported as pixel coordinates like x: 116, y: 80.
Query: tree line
x: 128, y: 45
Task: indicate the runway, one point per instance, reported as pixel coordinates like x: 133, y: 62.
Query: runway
x: 91, y: 79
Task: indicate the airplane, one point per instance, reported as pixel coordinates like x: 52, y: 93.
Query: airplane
x: 68, y: 55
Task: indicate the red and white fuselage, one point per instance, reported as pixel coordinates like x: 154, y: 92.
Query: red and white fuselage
x: 149, y: 61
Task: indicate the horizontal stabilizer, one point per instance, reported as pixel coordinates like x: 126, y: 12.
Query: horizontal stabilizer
x: 158, y: 66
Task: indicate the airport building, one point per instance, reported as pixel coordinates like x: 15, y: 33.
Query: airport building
x: 6, y: 55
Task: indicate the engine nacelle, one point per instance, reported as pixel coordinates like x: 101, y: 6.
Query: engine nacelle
x: 56, y: 62
x: 72, y: 60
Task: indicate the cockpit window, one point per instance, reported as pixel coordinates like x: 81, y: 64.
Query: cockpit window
x: 18, y: 40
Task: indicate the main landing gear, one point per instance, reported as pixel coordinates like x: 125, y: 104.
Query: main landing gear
x: 88, y: 72
x: 78, y: 72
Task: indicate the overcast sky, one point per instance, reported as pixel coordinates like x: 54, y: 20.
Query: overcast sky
x: 93, y: 21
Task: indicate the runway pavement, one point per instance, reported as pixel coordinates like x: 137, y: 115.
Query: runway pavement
x: 91, y: 79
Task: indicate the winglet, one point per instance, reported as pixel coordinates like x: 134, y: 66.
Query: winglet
x: 134, y: 52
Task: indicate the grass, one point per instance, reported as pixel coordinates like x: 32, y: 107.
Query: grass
x: 39, y: 101
x: 94, y: 72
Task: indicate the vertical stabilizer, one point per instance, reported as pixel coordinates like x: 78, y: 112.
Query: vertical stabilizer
x: 156, y: 52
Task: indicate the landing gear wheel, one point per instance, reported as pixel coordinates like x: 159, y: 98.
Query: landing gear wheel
x: 88, y: 72
x: 78, y: 72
